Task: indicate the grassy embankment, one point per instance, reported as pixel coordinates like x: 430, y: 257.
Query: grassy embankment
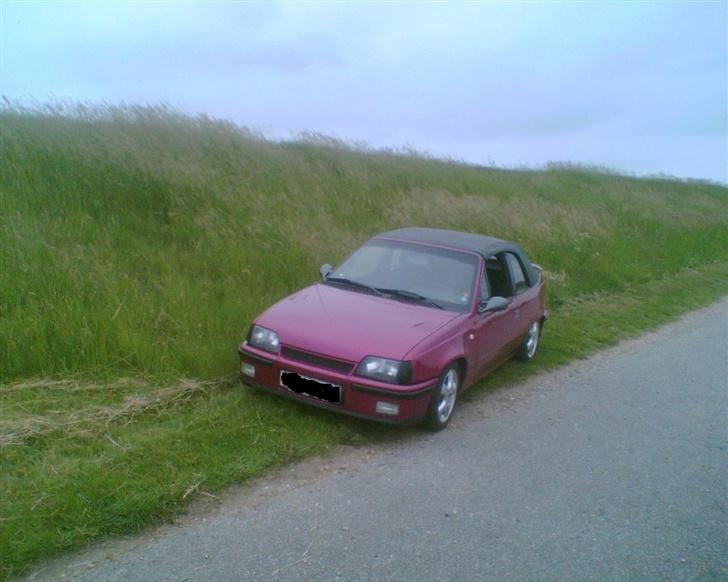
x: 136, y: 245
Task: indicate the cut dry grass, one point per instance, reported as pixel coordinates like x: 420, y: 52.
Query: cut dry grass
x: 22, y: 427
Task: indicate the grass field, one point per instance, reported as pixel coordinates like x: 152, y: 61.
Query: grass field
x: 137, y: 244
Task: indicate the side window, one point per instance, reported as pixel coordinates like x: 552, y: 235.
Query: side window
x: 518, y: 279
x: 484, y: 287
x: 497, y: 278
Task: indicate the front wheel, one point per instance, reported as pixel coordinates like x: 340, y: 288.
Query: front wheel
x: 443, y: 399
x: 529, y: 345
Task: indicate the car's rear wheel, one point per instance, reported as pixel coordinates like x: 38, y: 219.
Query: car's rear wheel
x: 443, y: 399
x: 530, y: 344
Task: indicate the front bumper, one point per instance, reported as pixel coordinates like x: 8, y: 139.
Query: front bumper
x: 359, y: 396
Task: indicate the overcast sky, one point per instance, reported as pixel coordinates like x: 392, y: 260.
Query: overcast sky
x: 640, y: 87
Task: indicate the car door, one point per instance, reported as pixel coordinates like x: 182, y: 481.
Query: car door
x: 521, y: 296
x: 488, y: 340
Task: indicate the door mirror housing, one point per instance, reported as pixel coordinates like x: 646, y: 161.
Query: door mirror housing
x: 493, y: 304
x: 325, y: 270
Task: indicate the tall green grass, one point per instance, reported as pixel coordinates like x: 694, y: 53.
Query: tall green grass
x: 137, y: 241
x: 137, y: 244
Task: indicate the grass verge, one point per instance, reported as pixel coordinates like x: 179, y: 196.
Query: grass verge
x: 137, y: 244
x: 116, y: 459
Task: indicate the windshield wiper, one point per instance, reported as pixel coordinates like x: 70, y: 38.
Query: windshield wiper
x: 412, y: 295
x: 402, y: 293
x: 345, y: 281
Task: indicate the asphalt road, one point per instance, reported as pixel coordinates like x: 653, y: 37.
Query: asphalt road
x: 614, y: 468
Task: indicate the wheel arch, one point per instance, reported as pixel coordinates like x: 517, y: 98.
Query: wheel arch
x: 462, y: 365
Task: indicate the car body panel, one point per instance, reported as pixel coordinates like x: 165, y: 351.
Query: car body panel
x: 488, y: 341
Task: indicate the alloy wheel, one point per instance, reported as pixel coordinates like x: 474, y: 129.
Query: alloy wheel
x: 448, y: 394
x: 532, y: 339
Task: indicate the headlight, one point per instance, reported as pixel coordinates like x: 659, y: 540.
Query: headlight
x: 264, y: 339
x: 385, y: 370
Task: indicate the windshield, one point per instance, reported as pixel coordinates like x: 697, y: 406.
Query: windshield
x: 405, y: 271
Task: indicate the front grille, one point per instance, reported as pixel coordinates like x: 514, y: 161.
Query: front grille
x: 321, y: 361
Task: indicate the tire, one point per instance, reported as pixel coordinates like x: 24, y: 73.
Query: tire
x: 444, y: 397
x: 528, y: 348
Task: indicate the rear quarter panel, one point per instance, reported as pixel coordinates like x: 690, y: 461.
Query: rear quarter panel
x: 537, y: 308
x: 533, y: 307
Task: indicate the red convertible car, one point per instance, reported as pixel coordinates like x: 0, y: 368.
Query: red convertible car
x: 399, y: 329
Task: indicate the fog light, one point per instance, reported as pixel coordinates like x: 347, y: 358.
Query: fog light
x: 387, y: 408
x: 248, y: 370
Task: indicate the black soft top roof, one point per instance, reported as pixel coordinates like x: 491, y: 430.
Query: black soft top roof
x: 485, y: 246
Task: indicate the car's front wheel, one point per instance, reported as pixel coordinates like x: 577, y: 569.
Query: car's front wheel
x: 529, y: 345
x: 443, y: 399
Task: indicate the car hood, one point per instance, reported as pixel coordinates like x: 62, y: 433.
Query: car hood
x: 350, y: 325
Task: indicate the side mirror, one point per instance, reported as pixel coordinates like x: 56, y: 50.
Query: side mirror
x: 493, y: 304
x: 325, y: 270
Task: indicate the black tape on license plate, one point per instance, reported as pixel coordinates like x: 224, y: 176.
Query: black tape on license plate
x: 310, y: 387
